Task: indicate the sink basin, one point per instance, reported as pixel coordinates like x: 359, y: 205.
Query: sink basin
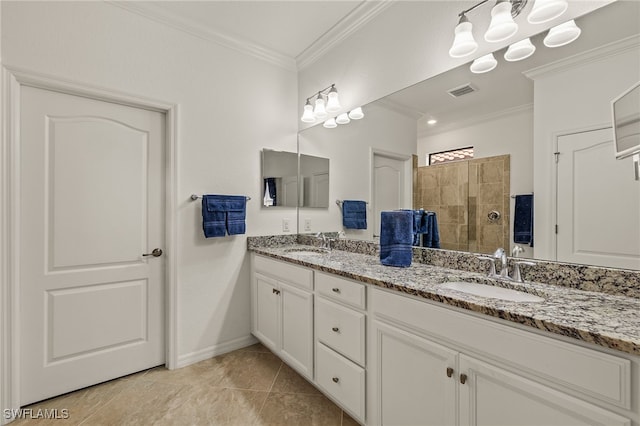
x: 492, y: 292
x: 307, y: 251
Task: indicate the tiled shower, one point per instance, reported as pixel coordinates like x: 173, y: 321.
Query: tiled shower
x: 471, y: 200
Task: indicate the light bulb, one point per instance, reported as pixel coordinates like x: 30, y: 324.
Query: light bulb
x: 463, y: 43
x: 520, y: 50
x: 502, y: 25
x: 562, y: 34
x: 343, y: 118
x: 356, y: 114
x: 484, y: 64
x: 307, y: 115
x: 330, y: 123
x: 333, y: 104
x: 546, y: 10
x: 319, y: 111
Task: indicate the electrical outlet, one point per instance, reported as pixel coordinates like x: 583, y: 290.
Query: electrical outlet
x: 307, y: 224
x: 286, y: 225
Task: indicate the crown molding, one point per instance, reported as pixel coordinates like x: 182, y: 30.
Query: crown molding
x: 423, y: 132
x: 589, y: 56
x: 239, y: 44
x: 348, y: 25
x: 399, y: 108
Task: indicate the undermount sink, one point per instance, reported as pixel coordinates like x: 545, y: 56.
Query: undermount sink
x: 306, y: 251
x: 492, y: 292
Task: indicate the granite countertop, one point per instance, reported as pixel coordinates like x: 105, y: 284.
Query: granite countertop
x: 602, y: 319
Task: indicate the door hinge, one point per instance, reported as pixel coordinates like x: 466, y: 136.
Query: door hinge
x: 556, y: 229
x: 557, y: 154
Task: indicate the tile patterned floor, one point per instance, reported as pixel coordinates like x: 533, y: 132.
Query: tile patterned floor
x: 250, y: 386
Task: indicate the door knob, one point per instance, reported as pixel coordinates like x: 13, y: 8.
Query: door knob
x: 155, y: 253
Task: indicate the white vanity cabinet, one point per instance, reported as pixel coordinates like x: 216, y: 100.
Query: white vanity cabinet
x: 282, y: 299
x: 340, y: 324
x: 435, y: 366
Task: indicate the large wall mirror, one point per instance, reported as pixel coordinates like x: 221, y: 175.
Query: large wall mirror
x: 516, y: 118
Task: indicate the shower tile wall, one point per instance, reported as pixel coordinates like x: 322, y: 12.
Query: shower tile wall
x: 462, y: 194
x: 489, y: 190
x: 444, y: 189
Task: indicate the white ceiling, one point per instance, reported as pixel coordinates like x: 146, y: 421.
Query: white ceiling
x: 277, y: 28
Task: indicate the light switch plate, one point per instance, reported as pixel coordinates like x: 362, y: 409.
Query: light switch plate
x: 307, y: 224
x: 286, y: 225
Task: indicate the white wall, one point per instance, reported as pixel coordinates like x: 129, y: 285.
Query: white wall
x: 511, y: 134
x: 348, y: 148
x: 569, y: 99
x: 231, y: 106
x: 407, y: 43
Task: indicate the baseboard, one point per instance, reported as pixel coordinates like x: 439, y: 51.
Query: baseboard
x: 215, y: 350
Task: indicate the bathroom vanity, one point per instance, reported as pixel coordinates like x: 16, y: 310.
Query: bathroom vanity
x: 392, y: 346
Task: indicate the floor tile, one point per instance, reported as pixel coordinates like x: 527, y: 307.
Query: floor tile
x: 289, y: 381
x: 284, y: 409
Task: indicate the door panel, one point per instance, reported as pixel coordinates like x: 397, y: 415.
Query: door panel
x: 388, y: 187
x: 109, y: 156
x: 491, y: 396
x: 92, y: 185
x: 598, y: 203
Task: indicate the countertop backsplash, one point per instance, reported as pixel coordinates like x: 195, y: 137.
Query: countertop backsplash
x: 621, y: 282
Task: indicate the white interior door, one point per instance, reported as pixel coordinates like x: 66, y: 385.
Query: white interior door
x: 598, y: 207
x: 389, y: 186
x: 92, y: 202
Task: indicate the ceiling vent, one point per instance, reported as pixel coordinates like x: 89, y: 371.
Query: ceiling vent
x: 456, y: 92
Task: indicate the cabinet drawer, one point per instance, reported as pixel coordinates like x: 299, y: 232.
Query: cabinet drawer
x: 293, y: 274
x: 570, y: 367
x: 342, y: 379
x: 340, y: 328
x: 349, y: 292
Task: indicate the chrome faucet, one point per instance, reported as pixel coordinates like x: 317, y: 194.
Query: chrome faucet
x: 326, y: 242
x: 504, y: 267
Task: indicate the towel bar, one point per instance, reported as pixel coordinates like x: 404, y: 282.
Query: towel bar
x: 195, y: 197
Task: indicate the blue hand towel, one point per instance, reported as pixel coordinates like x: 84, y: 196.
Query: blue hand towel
x: 396, y: 237
x: 431, y: 237
x: 419, y: 225
x: 222, y: 214
x: 523, y: 220
x: 354, y: 214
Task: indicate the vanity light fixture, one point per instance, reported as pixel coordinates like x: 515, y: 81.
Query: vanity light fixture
x: 432, y: 121
x: 484, y: 64
x: 502, y: 25
x: 562, y: 34
x: 322, y: 108
x: 356, y: 114
x: 463, y: 43
x: 520, y: 50
x: 343, y: 118
x: 330, y: 123
x: 546, y: 10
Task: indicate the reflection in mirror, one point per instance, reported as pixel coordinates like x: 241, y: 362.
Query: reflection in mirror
x: 314, y: 178
x: 526, y: 111
x: 279, y: 178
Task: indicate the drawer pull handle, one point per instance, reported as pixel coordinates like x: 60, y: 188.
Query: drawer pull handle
x: 449, y: 371
x: 463, y: 378
x: 335, y: 380
x: 336, y: 329
x: 335, y: 290
x: 276, y: 291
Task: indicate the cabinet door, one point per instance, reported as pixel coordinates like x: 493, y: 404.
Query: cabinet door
x: 491, y: 396
x: 413, y: 385
x: 267, y: 311
x: 297, y: 329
